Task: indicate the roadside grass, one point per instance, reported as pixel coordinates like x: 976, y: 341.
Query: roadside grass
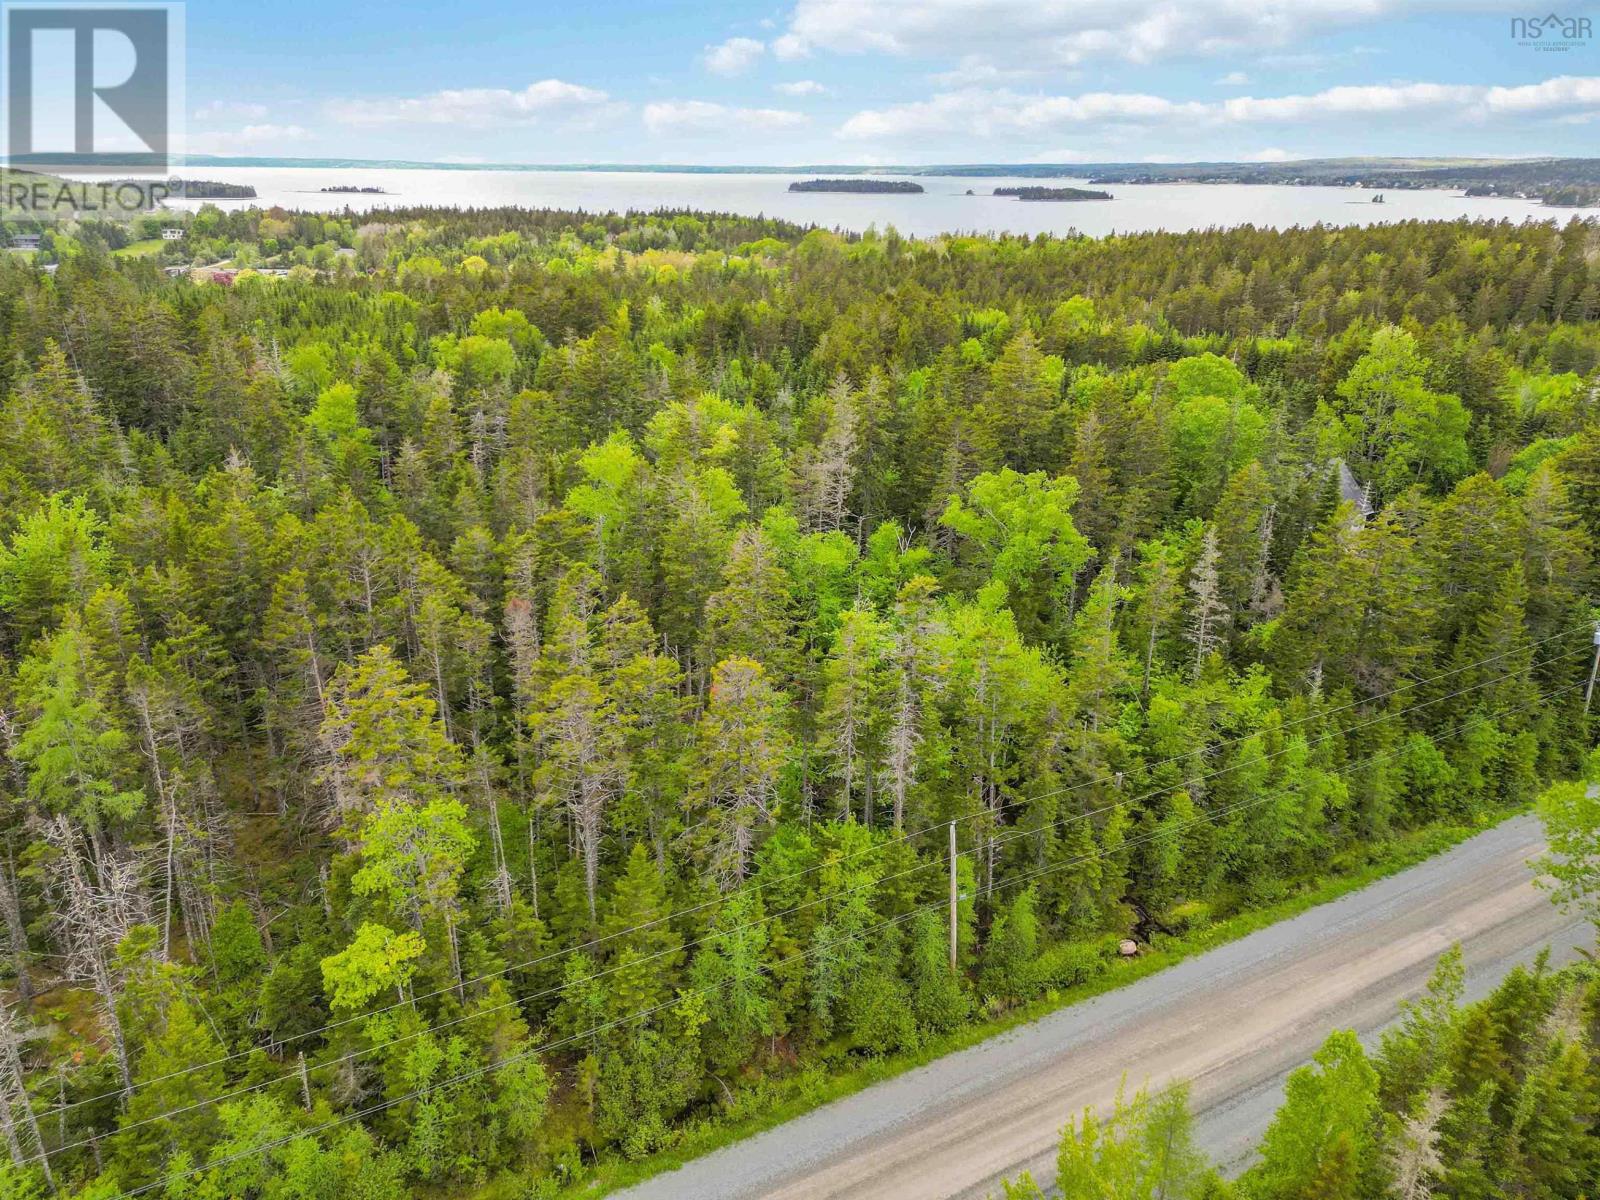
x: 784, y: 1098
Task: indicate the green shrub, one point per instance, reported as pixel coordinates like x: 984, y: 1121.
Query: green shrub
x: 1068, y: 965
x: 1186, y: 918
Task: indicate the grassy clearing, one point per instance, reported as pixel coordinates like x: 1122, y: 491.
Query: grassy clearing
x: 140, y: 249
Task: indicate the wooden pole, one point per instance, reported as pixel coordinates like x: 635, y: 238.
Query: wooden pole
x: 954, y: 898
x: 1588, y: 692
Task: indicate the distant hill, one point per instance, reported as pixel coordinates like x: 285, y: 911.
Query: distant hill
x: 1556, y: 181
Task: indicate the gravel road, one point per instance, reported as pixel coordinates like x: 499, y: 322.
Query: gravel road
x: 1233, y: 1022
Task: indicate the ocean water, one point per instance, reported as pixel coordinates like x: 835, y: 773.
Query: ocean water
x: 943, y: 207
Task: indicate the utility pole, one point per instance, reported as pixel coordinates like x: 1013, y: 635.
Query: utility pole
x: 954, y: 898
x: 1588, y: 693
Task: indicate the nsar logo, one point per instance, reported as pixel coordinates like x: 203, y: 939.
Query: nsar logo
x: 1551, y: 32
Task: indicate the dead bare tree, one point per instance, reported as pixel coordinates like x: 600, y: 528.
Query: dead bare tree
x: 194, y: 825
x: 916, y: 663
x: 827, y: 471
x: 1208, y: 618
x: 521, y: 638
x: 93, y: 913
x: 16, y: 930
x: 1414, y: 1158
x: 10, y: 901
x: 17, y: 1118
x: 341, y: 801
x: 483, y: 766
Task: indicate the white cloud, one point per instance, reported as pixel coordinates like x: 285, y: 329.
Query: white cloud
x: 1369, y: 100
x: 1234, y: 79
x: 801, y: 87
x: 1564, y: 91
x: 1070, y: 32
x: 733, y: 57
x: 975, y: 70
x: 246, y: 140
x: 790, y: 47
x: 477, y: 107
x: 264, y: 133
x: 995, y: 112
x: 1272, y: 154
x: 1316, y: 61
x: 702, y: 116
x: 230, y: 109
x: 990, y: 113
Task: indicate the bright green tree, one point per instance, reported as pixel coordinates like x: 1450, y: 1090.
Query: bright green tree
x: 1322, y: 1139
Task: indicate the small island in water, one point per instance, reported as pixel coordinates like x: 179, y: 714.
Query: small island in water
x: 895, y: 186
x: 210, y: 189
x: 1052, y: 193
x: 350, y: 187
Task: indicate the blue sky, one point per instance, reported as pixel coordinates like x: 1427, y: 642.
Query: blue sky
x: 885, y: 81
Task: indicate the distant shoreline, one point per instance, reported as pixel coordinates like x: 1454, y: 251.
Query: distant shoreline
x: 1062, y: 170
x: 1553, y: 182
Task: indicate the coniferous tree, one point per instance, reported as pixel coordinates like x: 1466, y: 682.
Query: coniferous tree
x: 1321, y: 1140
x: 740, y: 747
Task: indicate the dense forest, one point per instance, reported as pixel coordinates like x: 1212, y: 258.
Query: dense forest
x: 496, y: 699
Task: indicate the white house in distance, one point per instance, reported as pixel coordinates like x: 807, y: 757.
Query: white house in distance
x: 171, y: 234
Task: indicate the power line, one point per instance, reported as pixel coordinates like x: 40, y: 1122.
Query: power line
x: 478, y: 1072
x: 916, y: 833
x: 1013, y: 835
x: 760, y: 885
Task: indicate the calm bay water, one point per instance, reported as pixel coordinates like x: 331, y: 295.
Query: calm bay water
x: 943, y: 207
